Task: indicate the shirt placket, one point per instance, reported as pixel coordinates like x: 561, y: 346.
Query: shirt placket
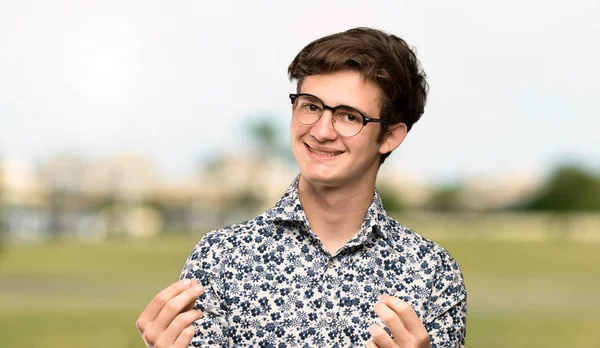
x: 329, y: 311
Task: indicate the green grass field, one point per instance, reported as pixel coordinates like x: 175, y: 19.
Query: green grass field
x: 521, y: 294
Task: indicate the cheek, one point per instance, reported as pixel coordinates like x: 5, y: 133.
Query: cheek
x: 366, y: 147
x: 297, y: 130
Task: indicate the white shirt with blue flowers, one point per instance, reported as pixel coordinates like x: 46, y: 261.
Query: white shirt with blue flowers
x: 270, y: 282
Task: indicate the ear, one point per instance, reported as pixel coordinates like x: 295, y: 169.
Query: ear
x: 394, y: 136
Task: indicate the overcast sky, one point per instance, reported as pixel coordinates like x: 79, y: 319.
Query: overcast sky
x: 514, y: 84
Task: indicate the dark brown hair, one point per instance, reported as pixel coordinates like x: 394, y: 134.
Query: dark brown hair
x: 381, y: 58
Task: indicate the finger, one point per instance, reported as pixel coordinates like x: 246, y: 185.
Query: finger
x: 185, y: 338
x: 380, y: 338
x: 408, y: 316
x: 177, y: 326
x: 393, y: 322
x: 176, y: 306
x: 372, y: 344
x: 158, y: 302
x: 189, y: 306
x: 182, y: 321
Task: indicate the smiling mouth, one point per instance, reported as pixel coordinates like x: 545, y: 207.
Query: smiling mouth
x: 323, y: 153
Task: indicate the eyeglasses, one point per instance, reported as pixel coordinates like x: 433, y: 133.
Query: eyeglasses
x: 346, y: 120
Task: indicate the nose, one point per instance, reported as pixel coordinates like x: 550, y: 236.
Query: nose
x: 323, y: 130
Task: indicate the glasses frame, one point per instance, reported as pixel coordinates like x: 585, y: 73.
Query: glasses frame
x: 366, y: 119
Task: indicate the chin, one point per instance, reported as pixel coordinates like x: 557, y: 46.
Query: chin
x: 320, y: 178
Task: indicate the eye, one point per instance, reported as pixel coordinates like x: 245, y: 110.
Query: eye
x: 351, y: 118
x: 310, y: 107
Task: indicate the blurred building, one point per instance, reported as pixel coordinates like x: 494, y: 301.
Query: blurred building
x: 121, y: 196
x: 473, y: 193
x: 123, y: 190
x: 411, y: 189
x: 243, y: 183
x: 23, y: 201
x: 67, y: 197
x: 505, y: 190
x: 68, y: 206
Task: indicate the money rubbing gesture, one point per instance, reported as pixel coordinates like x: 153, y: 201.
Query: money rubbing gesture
x: 407, y: 329
x: 168, y: 319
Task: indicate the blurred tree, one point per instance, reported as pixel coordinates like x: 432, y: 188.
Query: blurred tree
x: 445, y: 198
x: 264, y: 132
x: 391, y: 199
x: 569, y: 189
x: 267, y: 134
x: 246, y: 200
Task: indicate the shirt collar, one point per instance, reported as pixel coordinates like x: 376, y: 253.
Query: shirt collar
x: 376, y: 218
x: 289, y: 208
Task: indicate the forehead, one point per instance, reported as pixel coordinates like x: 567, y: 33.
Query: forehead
x: 344, y: 88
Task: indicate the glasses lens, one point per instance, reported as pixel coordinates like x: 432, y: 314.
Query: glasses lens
x: 347, y: 121
x: 307, y: 109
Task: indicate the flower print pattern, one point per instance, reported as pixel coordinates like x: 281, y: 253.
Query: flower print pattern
x: 269, y: 282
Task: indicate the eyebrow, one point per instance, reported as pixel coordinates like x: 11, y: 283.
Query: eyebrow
x: 339, y: 105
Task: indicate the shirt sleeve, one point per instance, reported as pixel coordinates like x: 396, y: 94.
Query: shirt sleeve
x: 202, y: 265
x: 446, y: 318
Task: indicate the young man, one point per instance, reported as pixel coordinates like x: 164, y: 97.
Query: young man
x: 326, y: 266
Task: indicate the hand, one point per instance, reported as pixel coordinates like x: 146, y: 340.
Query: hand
x: 403, y: 323
x: 168, y: 319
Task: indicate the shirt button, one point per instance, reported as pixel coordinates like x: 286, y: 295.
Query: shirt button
x: 328, y: 320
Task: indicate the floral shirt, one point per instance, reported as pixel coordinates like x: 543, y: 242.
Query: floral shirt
x: 270, y: 282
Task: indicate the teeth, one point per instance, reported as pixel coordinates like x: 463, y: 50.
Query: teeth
x: 323, y: 153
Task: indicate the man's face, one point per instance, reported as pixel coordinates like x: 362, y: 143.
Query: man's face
x: 325, y: 157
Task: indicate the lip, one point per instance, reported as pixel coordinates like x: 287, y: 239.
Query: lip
x: 322, y: 149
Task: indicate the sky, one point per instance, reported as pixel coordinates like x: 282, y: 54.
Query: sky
x: 514, y: 85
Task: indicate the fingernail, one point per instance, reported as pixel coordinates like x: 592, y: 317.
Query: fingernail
x: 198, y: 288
x: 187, y: 282
x: 384, y: 298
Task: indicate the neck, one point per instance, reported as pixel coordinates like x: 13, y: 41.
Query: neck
x: 335, y: 214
